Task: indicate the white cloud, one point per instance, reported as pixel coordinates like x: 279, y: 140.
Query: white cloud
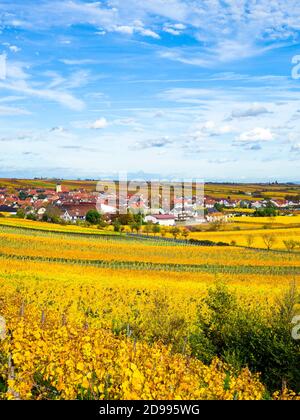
x: 186, y: 56
x: 225, y: 30
x: 210, y: 129
x: 123, y: 29
x: 17, y: 80
x: 63, y: 98
x: 253, y: 111
x: 99, y: 124
x: 157, y: 143
x: 14, y: 48
x: 138, y: 28
x: 58, y: 130
x: 255, y: 135
x: 148, y: 32
x: 78, y: 62
x: 174, y: 28
x: 295, y: 148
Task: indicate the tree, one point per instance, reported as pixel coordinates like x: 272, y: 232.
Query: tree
x: 31, y: 216
x: 138, y: 218
x: 102, y: 224
x: 219, y: 207
x: 117, y: 225
x: 21, y: 214
x: 216, y: 225
x: 130, y: 218
x: 250, y: 240
x: 131, y: 226
x: 268, y: 211
x: 147, y: 229
x: 175, y: 231
x: 93, y: 217
x: 163, y: 232
x: 185, y: 233
x: 269, y: 240
x: 52, y: 214
x: 155, y: 229
x: 23, y: 195
x: 290, y: 244
x: 137, y: 227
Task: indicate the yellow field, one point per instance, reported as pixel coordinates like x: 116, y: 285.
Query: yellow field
x: 51, y: 227
x: 277, y: 220
x: 240, y: 237
x: 99, y: 317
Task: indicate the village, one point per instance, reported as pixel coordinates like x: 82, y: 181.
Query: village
x: 64, y: 205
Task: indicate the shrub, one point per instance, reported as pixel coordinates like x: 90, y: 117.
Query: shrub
x: 243, y: 337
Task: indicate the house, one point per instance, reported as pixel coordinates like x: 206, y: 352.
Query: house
x: 106, y: 209
x: 209, y: 203
x: 41, y: 211
x: 8, y: 209
x: 161, y: 219
x: 217, y: 217
x: 256, y: 205
x: 280, y: 203
x: 72, y: 213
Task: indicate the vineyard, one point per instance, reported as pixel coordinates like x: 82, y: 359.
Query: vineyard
x: 90, y: 315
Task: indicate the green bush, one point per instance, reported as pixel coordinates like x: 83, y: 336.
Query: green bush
x: 244, y: 336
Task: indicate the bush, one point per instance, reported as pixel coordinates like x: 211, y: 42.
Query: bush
x: 93, y: 217
x: 246, y: 337
x: 31, y: 216
x: 20, y: 214
x: 206, y: 242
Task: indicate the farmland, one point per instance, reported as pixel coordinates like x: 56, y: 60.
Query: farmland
x: 93, y: 315
x: 235, y: 191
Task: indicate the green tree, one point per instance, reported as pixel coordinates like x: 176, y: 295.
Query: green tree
x: 219, y: 207
x: 156, y: 229
x: 93, y: 217
x: 131, y: 226
x: 117, y: 225
x: 31, y: 216
x: 139, y: 218
x: 21, y: 214
x: 23, y: 195
x: 137, y: 227
x: 52, y: 214
x: 147, y: 228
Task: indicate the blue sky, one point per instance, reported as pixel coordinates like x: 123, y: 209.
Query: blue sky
x: 179, y: 88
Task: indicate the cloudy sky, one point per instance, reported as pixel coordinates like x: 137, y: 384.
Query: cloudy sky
x: 192, y: 88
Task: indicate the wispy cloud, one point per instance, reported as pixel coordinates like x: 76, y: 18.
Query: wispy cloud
x: 18, y: 81
x: 12, y: 111
x: 253, y: 111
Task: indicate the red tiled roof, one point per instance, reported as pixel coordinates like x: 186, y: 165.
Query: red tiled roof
x: 163, y: 216
x: 78, y: 211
